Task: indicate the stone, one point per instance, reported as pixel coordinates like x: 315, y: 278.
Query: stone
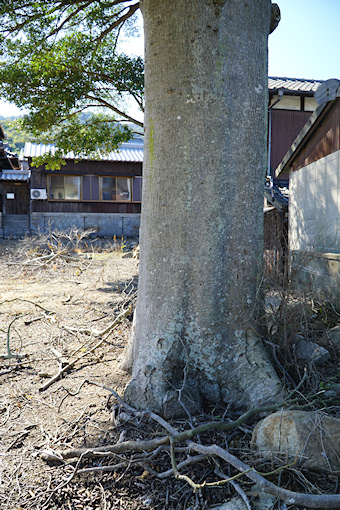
x: 333, y: 335
x: 260, y: 500
x: 235, y: 503
x: 257, y: 498
x: 311, y: 352
x: 311, y: 438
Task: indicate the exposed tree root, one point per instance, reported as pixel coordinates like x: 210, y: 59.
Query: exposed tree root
x: 175, y: 442
x: 289, y: 497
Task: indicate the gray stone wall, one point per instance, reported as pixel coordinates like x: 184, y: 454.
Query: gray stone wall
x: 318, y: 273
x: 105, y: 224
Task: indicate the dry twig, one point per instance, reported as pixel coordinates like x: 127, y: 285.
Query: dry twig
x: 103, y: 336
x: 174, y: 437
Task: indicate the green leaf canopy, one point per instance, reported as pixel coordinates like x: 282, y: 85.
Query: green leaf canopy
x: 59, y: 59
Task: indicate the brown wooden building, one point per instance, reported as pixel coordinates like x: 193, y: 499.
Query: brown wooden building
x: 103, y: 194
x: 14, y: 193
x: 106, y: 194
x: 291, y: 103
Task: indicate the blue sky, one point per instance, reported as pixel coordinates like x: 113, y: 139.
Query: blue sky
x: 306, y: 42
x: 304, y: 45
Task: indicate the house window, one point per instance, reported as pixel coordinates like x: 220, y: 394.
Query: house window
x: 94, y: 188
x: 64, y: 187
x: 117, y: 189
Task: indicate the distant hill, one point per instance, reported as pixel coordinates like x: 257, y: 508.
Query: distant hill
x: 15, y: 137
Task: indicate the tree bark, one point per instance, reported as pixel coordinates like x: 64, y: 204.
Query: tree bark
x: 195, y: 327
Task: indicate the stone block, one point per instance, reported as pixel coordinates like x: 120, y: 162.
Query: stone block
x: 311, y: 438
x: 105, y: 224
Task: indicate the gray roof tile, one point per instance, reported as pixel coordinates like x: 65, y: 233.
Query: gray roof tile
x: 14, y: 175
x: 129, y: 152
x: 293, y: 84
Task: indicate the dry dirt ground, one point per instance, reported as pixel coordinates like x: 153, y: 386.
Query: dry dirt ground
x: 54, y: 311
x: 46, y: 303
x: 37, y: 305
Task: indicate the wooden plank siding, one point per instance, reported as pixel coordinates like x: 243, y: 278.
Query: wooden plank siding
x: 324, y: 141
x: 20, y: 204
x: 286, y: 125
x: 85, y: 207
x: 39, y: 178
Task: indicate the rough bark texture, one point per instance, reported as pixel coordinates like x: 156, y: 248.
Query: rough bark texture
x: 201, y: 229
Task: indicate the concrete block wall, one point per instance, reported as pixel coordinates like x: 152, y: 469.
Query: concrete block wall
x: 319, y: 273
x: 314, y: 206
x: 109, y: 224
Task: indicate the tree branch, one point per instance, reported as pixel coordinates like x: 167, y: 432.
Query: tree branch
x: 114, y: 109
x: 120, y: 21
x: 289, y: 497
x: 106, y: 332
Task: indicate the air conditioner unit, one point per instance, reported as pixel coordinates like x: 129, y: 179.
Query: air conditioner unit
x: 38, y: 194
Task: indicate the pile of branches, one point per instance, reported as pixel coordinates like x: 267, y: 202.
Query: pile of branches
x: 296, y: 315
x: 185, y: 445
x: 54, y: 247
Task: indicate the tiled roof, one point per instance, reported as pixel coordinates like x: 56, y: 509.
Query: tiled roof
x: 14, y: 175
x: 128, y: 152
x: 276, y: 194
x: 293, y: 84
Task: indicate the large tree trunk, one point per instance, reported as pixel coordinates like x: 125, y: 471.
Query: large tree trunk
x: 194, y: 334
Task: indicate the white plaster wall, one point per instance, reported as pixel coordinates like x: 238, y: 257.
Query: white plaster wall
x: 314, y: 206
x: 293, y: 103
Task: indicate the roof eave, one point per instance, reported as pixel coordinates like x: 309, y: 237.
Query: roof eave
x: 287, y: 92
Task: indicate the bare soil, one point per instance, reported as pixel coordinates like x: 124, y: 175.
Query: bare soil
x: 47, y: 308
x: 36, y: 305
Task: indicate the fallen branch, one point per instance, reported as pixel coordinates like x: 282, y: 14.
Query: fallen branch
x: 125, y: 446
x: 197, y: 486
x: 20, y: 436
x: 47, y: 258
x: 64, y: 369
x: 176, y: 436
x: 108, y: 329
x: 172, y: 438
x: 27, y: 322
x: 9, y: 352
x: 166, y: 474
x: 289, y: 497
x: 48, y: 312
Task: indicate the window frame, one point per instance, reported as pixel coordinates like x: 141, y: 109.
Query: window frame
x: 101, y: 177
x: 140, y: 179
x: 65, y: 199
